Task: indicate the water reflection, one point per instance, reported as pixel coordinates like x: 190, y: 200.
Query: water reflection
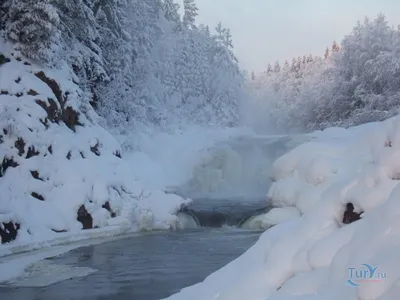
x: 148, y: 267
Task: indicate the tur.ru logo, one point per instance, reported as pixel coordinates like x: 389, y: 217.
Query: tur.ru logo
x: 365, y: 274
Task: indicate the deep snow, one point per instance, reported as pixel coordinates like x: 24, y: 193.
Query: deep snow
x: 63, y: 160
x: 312, y: 255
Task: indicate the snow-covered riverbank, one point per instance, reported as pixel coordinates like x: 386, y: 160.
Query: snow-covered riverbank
x: 318, y: 254
x: 60, y: 171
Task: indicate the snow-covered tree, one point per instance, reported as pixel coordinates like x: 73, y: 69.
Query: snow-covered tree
x: 286, y: 66
x: 335, y: 47
x: 366, y: 73
x: 354, y: 83
x: 171, y: 10
x: 277, y: 67
x: 34, y: 25
x: 205, y: 29
x: 269, y: 69
x: 138, y: 62
x: 80, y: 40
x: 327, y: 53
x: 224, y: 36
x: 190, y: 13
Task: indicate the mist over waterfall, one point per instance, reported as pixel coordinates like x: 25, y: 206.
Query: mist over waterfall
x: 236, y: 168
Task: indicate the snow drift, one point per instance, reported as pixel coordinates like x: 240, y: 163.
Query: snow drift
x: 60, y: 171
x: 321, y: 252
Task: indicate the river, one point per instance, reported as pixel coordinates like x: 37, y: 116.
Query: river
x: 148, y: 266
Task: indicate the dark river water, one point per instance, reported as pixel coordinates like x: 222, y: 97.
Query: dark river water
x: 150, y: 266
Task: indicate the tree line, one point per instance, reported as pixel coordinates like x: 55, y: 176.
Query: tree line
x: 353, y: 83
x: 140, y: 63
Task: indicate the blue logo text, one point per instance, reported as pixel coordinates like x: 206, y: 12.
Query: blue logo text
x: 365, y: 274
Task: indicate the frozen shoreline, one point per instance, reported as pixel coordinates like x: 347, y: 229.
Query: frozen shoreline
x: 15, y: 259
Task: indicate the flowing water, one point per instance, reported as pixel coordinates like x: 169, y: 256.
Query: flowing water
x: 149, y: 266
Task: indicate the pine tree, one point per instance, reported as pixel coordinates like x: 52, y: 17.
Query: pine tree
x: 298, y: 64
x: 277, y: 67
x: 205, y: 30
x: 293, y: 66
x: 253, y: 75
x: 269, y: 69
x: 335, y: 47
x: 224, y: 36
x: 286, y: 66
x: 171, y: 11
x: 82, y: 39
x: 112, y: 22
x: 327, y: 53
x: 190, y: 13
x: 4, y: 7
x: 310, y: 58
x: 34, y: 25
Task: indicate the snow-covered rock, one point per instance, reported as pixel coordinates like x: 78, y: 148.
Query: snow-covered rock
x: 61, y: 172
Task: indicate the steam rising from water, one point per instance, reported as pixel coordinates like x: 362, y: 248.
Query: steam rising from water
x: 239, y: 167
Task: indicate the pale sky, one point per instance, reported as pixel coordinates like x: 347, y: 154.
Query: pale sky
x: 268, y: 30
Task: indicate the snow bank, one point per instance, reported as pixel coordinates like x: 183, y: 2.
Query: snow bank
x: 60, y: 172
x: 274, y: 217
x: 319, y: 253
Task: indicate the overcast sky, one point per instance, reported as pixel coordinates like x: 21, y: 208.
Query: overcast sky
x: 268, y: 30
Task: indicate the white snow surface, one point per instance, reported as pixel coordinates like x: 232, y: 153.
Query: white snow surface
x: 308, y: 256
x: 70, y: 173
